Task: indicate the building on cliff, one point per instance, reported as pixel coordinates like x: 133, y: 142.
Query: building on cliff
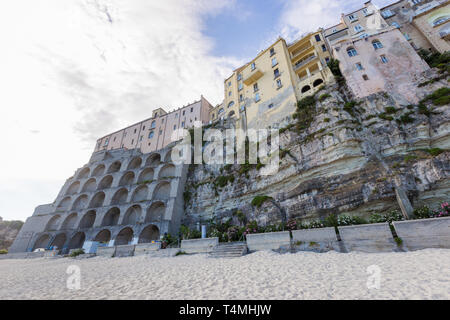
x: 375, y: 56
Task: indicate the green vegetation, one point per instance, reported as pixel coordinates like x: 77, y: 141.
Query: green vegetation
x: 384, y: 116
x: 436, y: 60
x: 259, y: 200
x: 350, y: 107
x: 3, y: 251
x: 326, y: 120
x: 187, y: 233
x: 398, y: 241
x: 434, y: 151
x: 409, y: 158
x: 76, y: 253
x: 333, y: 64
x: 404, y: 119
x: 386, y: 217
x: 439, y: 97
x: 222, y: 181
x: 180, y: 253
x: 390, y: 110
x: 324, y: 96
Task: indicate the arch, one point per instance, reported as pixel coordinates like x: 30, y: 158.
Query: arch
x: 88, y: 220
x: 231, y: 104
x: 124, y: 237
x: 53, y: 223
x: 140, y: 194
x: 103, y: 236
x: 351, y: 52
x: 232, y: 113
x: 111, y: 218
x: 80, y: 202
x: 120, y: 196
x: 156, y: 212
x: 84, y: 173
x: 70, y: 221
x: 440, y: 20
x: 42, y: 242
x: 99, y: 170
x: 149, y: 234
x: 97, y: 200
x: 168, y: 157
x: 146, y: 175
x: 305, y: 89
x: 64, y: 203
x: 153, y: 161
x: 132, y: 215
x: 59, y: 241
x: 77, y: 241
x: 73, y: 189
x: 105, y: 183
x: 318, y: 82
x: 167, y: 171
x: 162, y: 191
x: 135, y: 163
x: 114, y: 167
x: 90, y: 185
x: 153, y: 125
x: 127, y: 179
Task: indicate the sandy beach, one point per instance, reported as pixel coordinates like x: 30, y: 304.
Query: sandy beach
x: 421, y: 274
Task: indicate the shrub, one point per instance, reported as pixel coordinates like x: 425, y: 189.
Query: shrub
x: 3, y: 251
x: 406, y: 119
x: 387, y: 217
x: 398, y: 241
x: 306, y: 102
x: 344, y: 220
x: 187, y: 233
x: 390, y: 110
x: 324, y: 96
x: 333, y: 64
x: 423, y: 213
x: 435, y: 151
x: 424, y: 110
x: 76, y: 253
x: 259, y: 200
x: 350, y: 107
x: 439, y: 97
x: 326, y: 120
x: 180, y: 253
x: 385, y: 117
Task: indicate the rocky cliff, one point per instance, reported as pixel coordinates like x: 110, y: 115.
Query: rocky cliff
x: 339, y: 155
x: 8, y: 232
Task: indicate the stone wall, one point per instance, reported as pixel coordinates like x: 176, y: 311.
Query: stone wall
x: 199, y: 245
x: 268, y: 241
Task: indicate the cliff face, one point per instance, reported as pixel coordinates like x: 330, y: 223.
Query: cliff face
x: 8, y: 232
x: 348, y: 158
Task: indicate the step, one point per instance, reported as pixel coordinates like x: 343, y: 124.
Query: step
x: 229, y: 250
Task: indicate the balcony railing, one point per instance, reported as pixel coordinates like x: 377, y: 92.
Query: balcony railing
x: 301, y: 51
x: 304, y: 62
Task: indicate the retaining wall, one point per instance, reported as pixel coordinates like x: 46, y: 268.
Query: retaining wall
x: 375, y: 237
x: 146, y: 248
x: 124, y: 251
x: 199, y: 245
x: 318, y: 240
x: 268, y: 241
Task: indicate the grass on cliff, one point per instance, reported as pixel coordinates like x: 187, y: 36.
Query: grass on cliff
x: 259, y: 200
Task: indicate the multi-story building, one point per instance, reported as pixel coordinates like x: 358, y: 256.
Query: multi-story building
x: 158, y: 131
x: 375, y: 56
x: 434, y: 23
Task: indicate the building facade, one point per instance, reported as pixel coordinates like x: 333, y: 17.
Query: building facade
x: 158, y: 131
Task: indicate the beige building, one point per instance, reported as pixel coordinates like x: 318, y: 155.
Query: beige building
x: 158, y: 131
x: 435, y: 25
x: 375, y: 56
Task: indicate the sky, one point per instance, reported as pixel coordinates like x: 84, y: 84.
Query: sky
x: 72, y: 71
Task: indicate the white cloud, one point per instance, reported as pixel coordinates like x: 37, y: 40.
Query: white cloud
x: 75, y: 70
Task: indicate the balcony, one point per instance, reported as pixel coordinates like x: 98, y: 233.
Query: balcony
x: 253, y: 76
x: 301, y: 64
x: 296, y: 54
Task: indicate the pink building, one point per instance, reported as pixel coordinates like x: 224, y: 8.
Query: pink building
x: 158, y: 131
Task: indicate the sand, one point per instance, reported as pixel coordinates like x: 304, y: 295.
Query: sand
x: 421, y: 274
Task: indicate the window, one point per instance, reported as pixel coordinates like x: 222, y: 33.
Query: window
x: 324, y: 48
x: 239, y: 77
x: 255, y: 87
x: 176, y: 115
x: 272, y: 51
x: 440, y: 20
x: 377, y: 44
x: 114, y: 139
x: 240, y: 86
x: 351, y: 52
x: 192, y: 109
x: 229, y: 83
x: 365, y: 77
x: 279, y: 84
x: 175, y: 127
x: 132, y: 141
x: 231, y: 104
x: 151, y: 134
x: 327, y: 59
x: 229, y: 93
x: 274, y: 62
x: 358, y: 28
x: 395, y: 24
x: 184, y: 112
x: 317, y: 36
x: 351, y: 17
x: 270, y: 106
x: 253, y: 66
x: 140, y: 138
x: 366, y: 12
x: 106, y: 142
x: 221, y: 110
x: 407, y: 37
x: 416, y: 1
x: 384, y: 59
x: 241, y: 98
x: 182, y: 124
x: 135, y: 130
x: 276, y: 73
x: 359, y: 66
x: 153, y: 125
x: 387, y: 13
x: 257, y: 97
x: 162, y: 120
x: 143, y: 128
x: 334, y: 30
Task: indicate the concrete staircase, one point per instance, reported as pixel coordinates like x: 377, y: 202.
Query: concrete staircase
x: 229, y: 250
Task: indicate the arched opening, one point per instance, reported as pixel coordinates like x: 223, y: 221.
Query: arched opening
x: 53, y: 223
x: 99, y: 171
x: 306, y: 89
x: 59, y: 241
x: 232, y: 113
x: 167, y: 171
x: 155, y: 213
x: 149, y: 234
x: 132, y: 215
x: 103, y: 236
x: 140, y: 194
x: 146, y: 175
x: 90, y: 185
x: 42, y: 242
x: 153, y: 161
x: 120, y: 197
x: 135, y: 163
x: 162, y: 191
x: 231, y: 104
x: 440, y: 20
x: 80, y: 203
x: 168, y: 157
x: 64, y: 204
x: 124, y: 237
x: 127, y: 179
x: 88, y: 220
x: 115, y: 167
x: 70, y: 221
x: 77, y: 241
x: 73, y: 189
x: 97, y: 200
x: 84, y: 173
x: 318, y: 82
x: 111, y: 218
x: 105, y: 183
